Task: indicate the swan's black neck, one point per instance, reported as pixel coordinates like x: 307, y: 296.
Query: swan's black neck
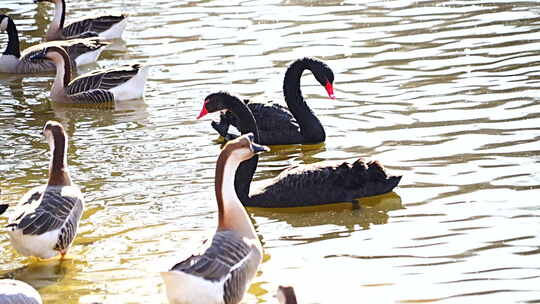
x: 310, y: 126
x: 244, y: 173
x: 13, y: 39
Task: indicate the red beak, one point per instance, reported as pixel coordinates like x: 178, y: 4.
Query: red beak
x: 204, y: 111
x: 330, y: 90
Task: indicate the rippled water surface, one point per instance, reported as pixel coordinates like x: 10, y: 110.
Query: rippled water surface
x: 441, y: 92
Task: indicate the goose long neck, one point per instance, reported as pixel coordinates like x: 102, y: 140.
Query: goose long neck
x: 63, y: 71
x: 232, y: 215
x: 58, y: 169
x: 310, y: 126
x: 13, y: 40
x: 246, y: 170
x: 55, y: 29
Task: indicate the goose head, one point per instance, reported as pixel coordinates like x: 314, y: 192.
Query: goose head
x: 324, y: 75
x: 244, y: 147
x: 286, y: 295
x: 52, y: 130
x: 53, y: 53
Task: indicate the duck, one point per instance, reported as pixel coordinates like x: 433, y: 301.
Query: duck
x: 294, y: 124
x: 106, y: 27
x: 45, y: 222
x: 286, y: 295
x: 301, y: 185
x: 18, y: 292
x: 221, y: 273
x: 96, y: 87
x: 81, y: 51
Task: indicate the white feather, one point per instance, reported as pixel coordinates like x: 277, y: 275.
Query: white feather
x: 183, y: 288
x: 35, y: 245
x: 133, y: 88
x: 115, y: 31
x: 88, y: 57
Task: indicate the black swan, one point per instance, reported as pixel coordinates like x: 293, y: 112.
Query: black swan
x: 301, y: 185
x: 223, y: 272
x: 296, y: 124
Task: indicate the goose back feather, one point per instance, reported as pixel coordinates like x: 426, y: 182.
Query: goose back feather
x: 18, y: 292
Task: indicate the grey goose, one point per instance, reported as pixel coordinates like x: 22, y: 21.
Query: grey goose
x: 96, y: 87
x: 106, y: 27
x: 81, y: 51
x: 222, y: 272
x: 45, y: 221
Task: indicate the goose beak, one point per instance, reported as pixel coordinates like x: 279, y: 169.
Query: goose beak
x: 258, y: 149
x: 204, y: 111
x: 330, y: 90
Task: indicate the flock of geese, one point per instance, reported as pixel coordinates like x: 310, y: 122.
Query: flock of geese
x: 44, y: 223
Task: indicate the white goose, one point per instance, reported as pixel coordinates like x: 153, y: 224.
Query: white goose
x: 47, y: 217
x: 106, y: 27
x: 223, y: 272
x: 81, y: 51
x: 18, y: 292
x: 100, y: 86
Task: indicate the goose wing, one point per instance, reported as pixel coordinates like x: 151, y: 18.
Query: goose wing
x: 47, y: 209
x: 229, y: 259
x: 91, y: 97
x: 102, y: 79
x: 97, y: 25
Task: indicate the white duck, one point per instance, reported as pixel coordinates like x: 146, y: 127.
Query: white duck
x: 47, y: 217
x: 222, y: 273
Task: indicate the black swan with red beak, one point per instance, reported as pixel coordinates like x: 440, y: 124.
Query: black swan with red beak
x: 279, y: 125
x: 301, y: 185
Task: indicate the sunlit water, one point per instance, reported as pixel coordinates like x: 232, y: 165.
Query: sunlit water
x: 441, y: 92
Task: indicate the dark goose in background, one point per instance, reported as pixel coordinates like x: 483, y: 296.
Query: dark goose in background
x: 296, y: 124
x: 286, y: 295
x: 301, y: 185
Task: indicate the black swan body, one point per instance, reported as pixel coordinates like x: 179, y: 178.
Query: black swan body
x: 296, y: 124
x: 301, y: 185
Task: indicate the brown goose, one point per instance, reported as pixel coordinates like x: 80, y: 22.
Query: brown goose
x: 106, y: 27
x: 294, y: 124
x: 46, y: 219
x: 101, y: 86
x: 81, y: 51
x: 286, y: 295
x: 301, y: 185
x: 222, y: 273
x: 18, y: 292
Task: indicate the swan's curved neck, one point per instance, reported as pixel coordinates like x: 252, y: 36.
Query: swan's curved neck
x: 310, y: 126
x: 246, y: 170
x: 13, y: 40
x: 58, y: 169
x: 232, y: 215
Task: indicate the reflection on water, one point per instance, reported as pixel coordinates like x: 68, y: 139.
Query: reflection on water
x: 441, y: 92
